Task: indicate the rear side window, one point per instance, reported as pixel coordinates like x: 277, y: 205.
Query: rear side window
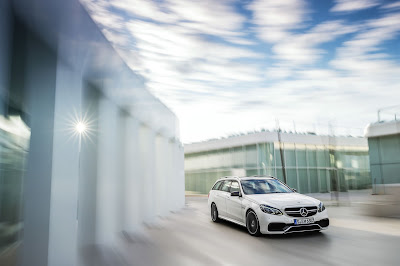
x: 226, y: 186
x: 217, y: 185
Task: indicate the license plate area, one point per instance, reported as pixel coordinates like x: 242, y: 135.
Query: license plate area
x: 303, y: 221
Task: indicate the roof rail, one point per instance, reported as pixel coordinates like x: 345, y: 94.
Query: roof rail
x: 265, y: 176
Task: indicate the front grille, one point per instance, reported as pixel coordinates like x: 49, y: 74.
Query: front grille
x: 295, y: 211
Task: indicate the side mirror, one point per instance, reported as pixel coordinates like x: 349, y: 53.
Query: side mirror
x: 235, y: 194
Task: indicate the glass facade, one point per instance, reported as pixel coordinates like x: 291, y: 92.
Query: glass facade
x: 309, y: 168
x: 385, y: 159
x: 14, y: 144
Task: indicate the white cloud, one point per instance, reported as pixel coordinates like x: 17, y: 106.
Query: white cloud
x: 145, y: 9
x: 302, y: 49
x: 285, y: 13
x: 393, y: 6
x: 100, y: 13
x: 353, y: 5
x: 196, y: 56
x: 207, y: 16
x: 365, y: 45
x: 278, y: 72
x: 274, y: 19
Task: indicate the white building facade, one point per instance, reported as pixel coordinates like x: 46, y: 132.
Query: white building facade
x: 70, y: 191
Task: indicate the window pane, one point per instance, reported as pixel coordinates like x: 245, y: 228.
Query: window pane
x: 311, y: 156
x: 251, y: 172
x: 291, y: 176
x: 290, y: 157
x: 238, y: 157
x: 314, y: 181
x: 251, y: 156
x: 226, y: 186
x: 13, y: 153
x: 301, y: 156
x: 303, y: 179
x: 390, y: 149
x: 216, y: 186
x: 322, y: 180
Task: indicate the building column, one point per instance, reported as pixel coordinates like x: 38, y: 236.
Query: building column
x: 162, y: 176
x: 180, y: 172
x: 169, y: 170
x: 65, y: 170
x: 40, y: 83
x: 108, y: 173
x: 147, y: 172
x: 132, y: 175
x: 176, y: 184
x: 88, y: 167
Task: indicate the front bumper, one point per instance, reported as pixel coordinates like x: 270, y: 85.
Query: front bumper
x: 283, y: 224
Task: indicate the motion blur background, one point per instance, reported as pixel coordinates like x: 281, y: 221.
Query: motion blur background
x: 64, y: 188
x: 91, y: 162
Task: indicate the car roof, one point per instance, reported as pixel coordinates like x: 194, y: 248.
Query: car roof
x: 256, y: 177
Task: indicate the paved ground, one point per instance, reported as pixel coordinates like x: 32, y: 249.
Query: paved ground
x: 190, y: 238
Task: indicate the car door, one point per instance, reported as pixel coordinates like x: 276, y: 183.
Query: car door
x: 234, y: 204
x: 220, y: 198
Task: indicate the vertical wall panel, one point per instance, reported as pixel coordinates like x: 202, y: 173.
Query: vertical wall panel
x: 107, y: 178
x: 147, y: 162
x: 66, y: 169
x: 5, y: 44
x: 88, y: 175
x: 132, y: 175
x: 40, y: 82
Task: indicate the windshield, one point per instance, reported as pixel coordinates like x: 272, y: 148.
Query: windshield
x: 264, y: 186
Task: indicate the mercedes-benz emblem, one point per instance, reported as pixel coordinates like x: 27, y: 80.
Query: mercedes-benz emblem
x: 303, y: 212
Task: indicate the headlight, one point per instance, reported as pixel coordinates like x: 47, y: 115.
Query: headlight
x: 321, y: 207
x: 270, y: 210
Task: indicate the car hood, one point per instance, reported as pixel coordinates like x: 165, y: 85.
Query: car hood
x: 281, y: 200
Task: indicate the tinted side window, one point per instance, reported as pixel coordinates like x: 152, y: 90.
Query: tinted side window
x: 234, y: 186
x: 216, y: 186
x: 226, y: 186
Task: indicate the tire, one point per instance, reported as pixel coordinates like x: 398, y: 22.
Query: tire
x: 252, y: 224
x: 214, y: 213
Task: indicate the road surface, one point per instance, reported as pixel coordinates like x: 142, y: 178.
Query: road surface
x: 190, y: 238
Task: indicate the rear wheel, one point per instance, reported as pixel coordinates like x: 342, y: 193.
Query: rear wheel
x: 252, y: 224
x: 214, y: 213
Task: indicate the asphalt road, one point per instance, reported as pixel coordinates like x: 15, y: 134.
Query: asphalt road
x: 190, y: 238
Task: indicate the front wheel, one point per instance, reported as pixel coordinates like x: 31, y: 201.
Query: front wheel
x: 214, y: 213
x: 252, y: 224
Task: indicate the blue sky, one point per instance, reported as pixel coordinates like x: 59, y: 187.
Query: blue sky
x: 226, y: 66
